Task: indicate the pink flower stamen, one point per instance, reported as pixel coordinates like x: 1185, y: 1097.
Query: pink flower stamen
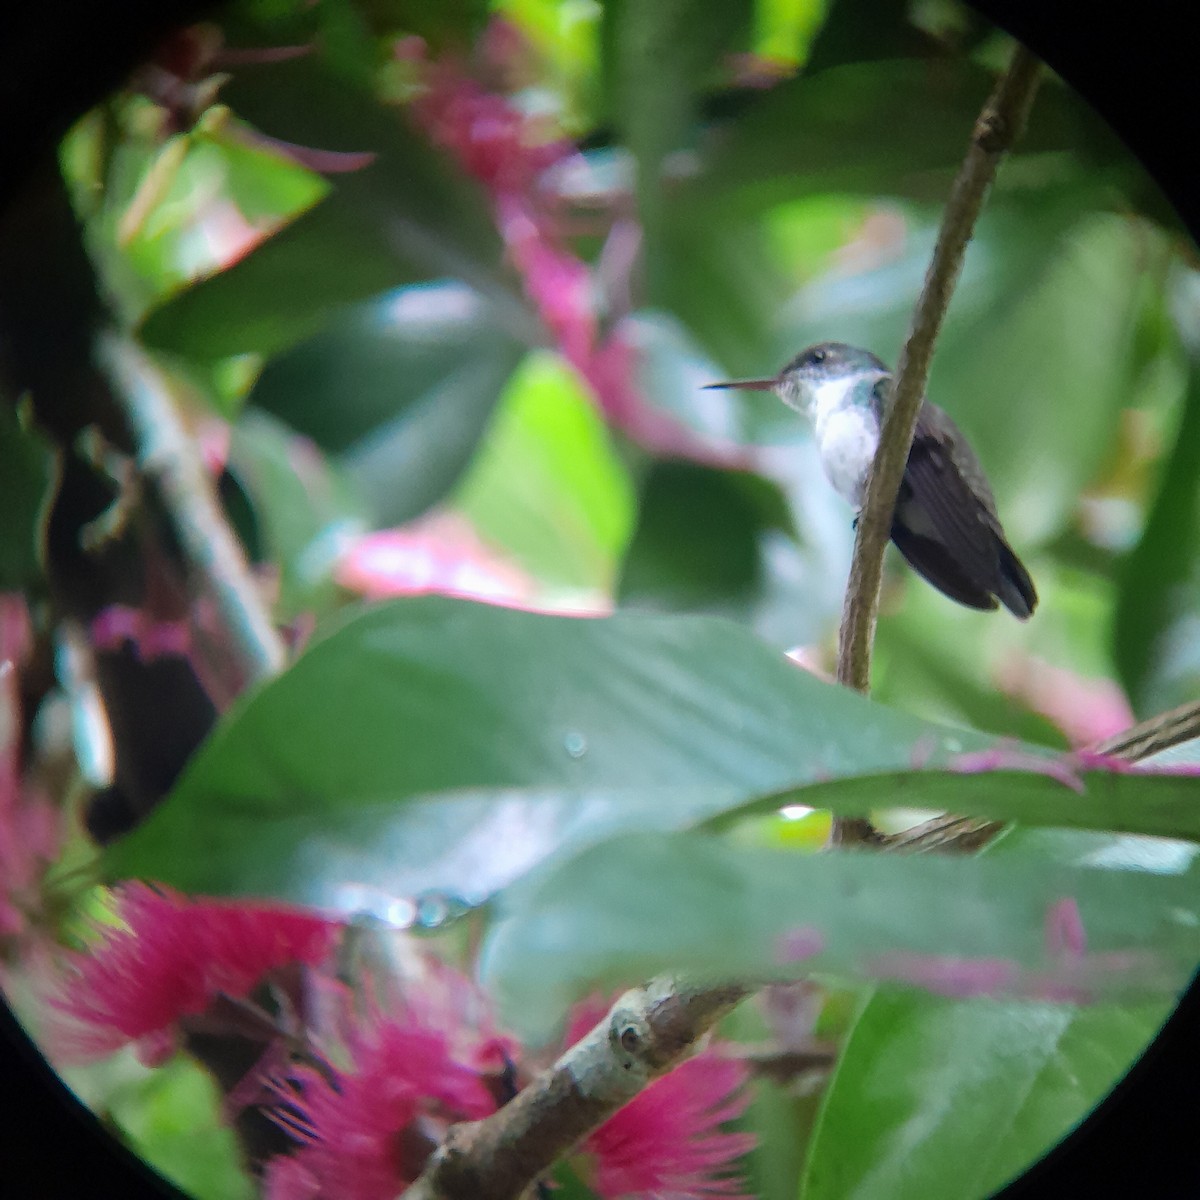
x: 171, y: 960
x: 365, y: 1134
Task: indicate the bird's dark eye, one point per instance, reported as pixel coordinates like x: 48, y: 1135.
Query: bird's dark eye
x: 817, y: 355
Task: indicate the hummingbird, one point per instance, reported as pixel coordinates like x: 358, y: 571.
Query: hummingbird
x: 945, y: 521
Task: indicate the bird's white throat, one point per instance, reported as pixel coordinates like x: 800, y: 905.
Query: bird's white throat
x: 846, y: 430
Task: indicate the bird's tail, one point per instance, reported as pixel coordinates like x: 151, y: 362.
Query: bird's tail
x: 1014, y: 588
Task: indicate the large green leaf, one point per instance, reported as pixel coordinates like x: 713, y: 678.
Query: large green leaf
x: 656, y: 59
x: 949, y: 1099
x: 894, y: 128
x: 1158, y: 610
x: 172, y: 1117
x: 637, y: 905
x: 554, y: 728
x: 548, y: 486
x: 401, y: 388
x: 856, y: 31
x: 436, y: 744
x: 696, y: 546
x: 1006, y: 1080
x: 409, y: 216
x: 726, y: 542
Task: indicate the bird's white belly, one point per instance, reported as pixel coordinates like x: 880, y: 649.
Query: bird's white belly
x: 846, y: 440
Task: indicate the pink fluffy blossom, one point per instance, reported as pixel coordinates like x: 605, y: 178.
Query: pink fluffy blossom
x: 666, y: 1143
x: 171, y: 959
x: 368, y: 1137
x: 366, y: 1132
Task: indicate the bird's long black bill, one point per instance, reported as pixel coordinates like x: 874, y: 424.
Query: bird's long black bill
x: 746, y: 385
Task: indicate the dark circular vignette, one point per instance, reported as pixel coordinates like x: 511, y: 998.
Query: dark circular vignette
x: 51, y: 1146
x: 58, y: 59
x: 1136, y: 69
x: 1131, y: 64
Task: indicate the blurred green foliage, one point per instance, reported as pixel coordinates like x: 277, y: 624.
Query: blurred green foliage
x: 170, y: 1116
x: 340, y: 288
x: 27, y: 468
x: 564, y: 516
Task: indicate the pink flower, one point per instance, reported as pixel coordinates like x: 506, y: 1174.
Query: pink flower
x: 29, y: 825
x: 559, y: 284
x: 495, y: 142
x: 1086, y: 710
x: 365, y: 1135
x: 440, y: 554
x: 174, y: 957
x: 365, y: 1132
x: 666, y: 1144
x: 287, y: 1178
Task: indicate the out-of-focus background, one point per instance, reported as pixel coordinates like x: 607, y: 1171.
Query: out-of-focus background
x: 467, y: 274
x: 437, y: 288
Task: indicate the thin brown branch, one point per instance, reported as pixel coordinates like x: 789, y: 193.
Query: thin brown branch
x: 647, y: 1031
x: 946, y: 832
x: 167, y: 456
x: 1000, y: 124
x: 964, y: 834
x: 1159, y: 733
